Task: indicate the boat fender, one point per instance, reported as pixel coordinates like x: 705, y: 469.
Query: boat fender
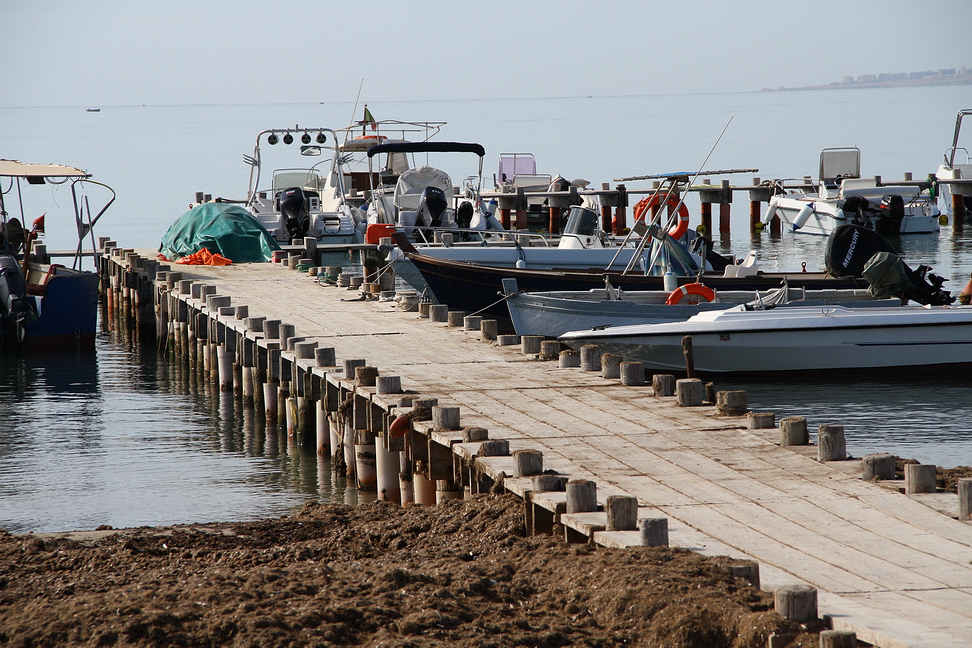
x: 802, y: 217
x: 771, y: 212
x: 703, y: 292
x: 645, y: 205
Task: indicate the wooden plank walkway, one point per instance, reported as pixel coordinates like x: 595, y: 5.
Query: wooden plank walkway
x: 886, y: 565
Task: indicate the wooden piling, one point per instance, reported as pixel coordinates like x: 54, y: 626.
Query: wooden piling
x: 688, y: 392
x: 731, y: 402
x: 590, y: 358
x: 632, y: 373
x: 581, y: 495
x: 877, y: 466
x: 611, y: 365
x: 831, y: 445
x: 530, y: 344
x: 622, y: 513
x: 965, y: 498
x: 920, y: 478
x: 527, y: 463
x: 663, y: 384
x: 689, y: 354
x: 793, y: 431
x: 488, y: 329
x: 796, y: 603
x: 654, y: 532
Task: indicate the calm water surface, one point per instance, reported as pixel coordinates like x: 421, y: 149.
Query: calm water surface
x: 120, y: 437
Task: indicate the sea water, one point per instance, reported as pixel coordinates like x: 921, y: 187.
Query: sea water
x: 123, y: 439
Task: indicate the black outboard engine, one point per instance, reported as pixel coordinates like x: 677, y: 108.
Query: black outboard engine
x: 892, y: 213
x: 15, y: 309
x: 851, y: 247
x: 856, y: 210
x: 296, y: 212
x: 431, y: 207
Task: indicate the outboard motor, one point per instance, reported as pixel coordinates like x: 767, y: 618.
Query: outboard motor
x: 850, y: 249
x: 15, y: 308
x: 431, y: 207
x: 856, y: 211
x: 296, y: 212
x: 892, y: 213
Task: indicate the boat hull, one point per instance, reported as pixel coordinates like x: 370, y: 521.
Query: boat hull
x: 68, y: 313
x: 824, y: 341
x: 476, y: 288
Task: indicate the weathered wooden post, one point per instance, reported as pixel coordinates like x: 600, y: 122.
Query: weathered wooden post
x: 796, y: 603
x: 793, y: 431
x: 689, y: 354
x: 920, y: 478
x: 581, y: 496
x: 831, y: 445
x: 632, y: 373
x: 688, y: 392
x: 663, y: 384
x: 654, y: 532
x: 877, y: 466
x: 622, y: 513
x: 590, y: 359
x: 838, y: 639
x: 527, y: 463
x: 965, y: 498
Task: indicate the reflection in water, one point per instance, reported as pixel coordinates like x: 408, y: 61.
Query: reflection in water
x: 123, y: 438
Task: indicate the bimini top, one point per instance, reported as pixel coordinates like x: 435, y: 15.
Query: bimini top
x: 16, y: 169
x: 423, y: 147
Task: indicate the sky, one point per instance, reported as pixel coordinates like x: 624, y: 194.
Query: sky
x: 133, y: 52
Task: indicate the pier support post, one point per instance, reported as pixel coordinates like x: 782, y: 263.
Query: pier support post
x: 877, y: 466
x: 688, y: 392
x: 965, y: 498
x: 633, y: 373
x: 831, y: 445
x: 654, y: 532
x: 793, y: 431
x: 527, y: 463
x: 622, y: 513
x: 796, y: 603
x: 920, y: 478
x: 590, y: 358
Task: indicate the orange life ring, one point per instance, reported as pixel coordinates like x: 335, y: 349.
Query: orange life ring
x: 647, y: 203
x: 374, y: 137
x: 701, y: 291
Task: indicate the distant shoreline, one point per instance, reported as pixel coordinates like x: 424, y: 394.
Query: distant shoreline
x: 958, y: 79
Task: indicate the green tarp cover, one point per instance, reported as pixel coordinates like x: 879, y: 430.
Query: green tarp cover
x: 221, y: 228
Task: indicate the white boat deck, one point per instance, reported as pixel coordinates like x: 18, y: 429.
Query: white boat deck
x: 891, y: 567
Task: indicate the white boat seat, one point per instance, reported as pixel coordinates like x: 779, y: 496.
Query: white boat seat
x: 747, y: 268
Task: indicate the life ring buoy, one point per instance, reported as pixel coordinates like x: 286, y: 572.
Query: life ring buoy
x: 644, y: 205
x: 703, y: 292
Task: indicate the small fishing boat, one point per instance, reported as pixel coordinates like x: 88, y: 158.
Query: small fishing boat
x: 46, y: 305
x: 92, y: 109
x: 841, y: 196
x: 801, y: 341
x: 954, y: 176
x: 553, y: 313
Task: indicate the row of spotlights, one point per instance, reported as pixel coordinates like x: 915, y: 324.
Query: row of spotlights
x: 289, y: 139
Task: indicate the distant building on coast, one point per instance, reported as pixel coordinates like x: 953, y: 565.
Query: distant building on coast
x: 945, y: 76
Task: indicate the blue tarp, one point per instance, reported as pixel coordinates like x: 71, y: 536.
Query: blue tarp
x: 221, y: 228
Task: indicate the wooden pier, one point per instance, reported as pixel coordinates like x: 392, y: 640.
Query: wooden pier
x: 431, y: 405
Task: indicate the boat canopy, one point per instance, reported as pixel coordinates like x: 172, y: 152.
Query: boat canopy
x: 221, y: 228
x: 35, y: 173
x: 428, y: 147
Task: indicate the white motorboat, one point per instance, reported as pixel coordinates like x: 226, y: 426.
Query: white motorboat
x: 325, y: 200
x: 582, y: 246
x: 422, y: 201
x: 554, y: 313
x: 842, y: 196
x: 799, y: 340
x: 954, y: 176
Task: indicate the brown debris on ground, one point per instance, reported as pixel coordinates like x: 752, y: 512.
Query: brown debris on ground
x: 459, y: 574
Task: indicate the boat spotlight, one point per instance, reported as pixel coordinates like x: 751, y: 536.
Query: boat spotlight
x: 272, y: 139
x: 321, y: 138
x: 288, y: 139
x: 305, y: 138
